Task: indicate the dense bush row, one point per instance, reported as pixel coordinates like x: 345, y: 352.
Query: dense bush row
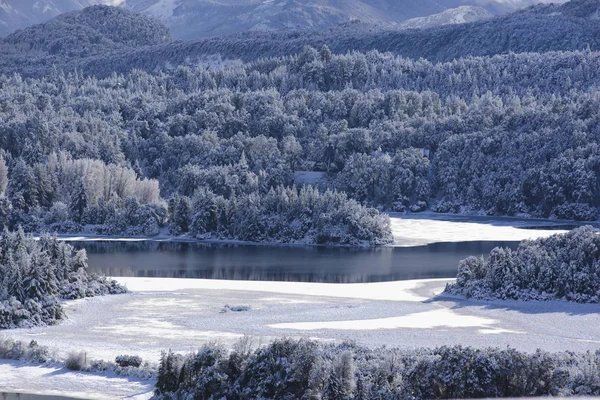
x: 563, y: 266
x: 124, y: 365
x: 36, y: 274
x: 291, y: 369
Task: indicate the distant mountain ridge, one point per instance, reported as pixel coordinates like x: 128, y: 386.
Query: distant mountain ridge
x: 193, y: 19
x: 459, y: 15
x: 133, y: 41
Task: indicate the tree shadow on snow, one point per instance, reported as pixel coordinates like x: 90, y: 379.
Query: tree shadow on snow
x: 524, y: 307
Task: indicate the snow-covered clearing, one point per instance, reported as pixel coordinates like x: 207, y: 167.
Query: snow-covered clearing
x: 183, y: 314
x: 426, y: 228
x: 18, y: 377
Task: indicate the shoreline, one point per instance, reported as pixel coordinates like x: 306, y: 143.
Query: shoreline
x: 501, y: 228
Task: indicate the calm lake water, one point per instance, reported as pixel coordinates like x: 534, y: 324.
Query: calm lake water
x: 286, y: 263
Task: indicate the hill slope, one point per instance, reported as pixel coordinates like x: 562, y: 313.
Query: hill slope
x: 459, y: 15
x: 193, y: 19
x: 68, y: 43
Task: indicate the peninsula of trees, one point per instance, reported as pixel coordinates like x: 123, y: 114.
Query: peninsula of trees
x: 35, y: 275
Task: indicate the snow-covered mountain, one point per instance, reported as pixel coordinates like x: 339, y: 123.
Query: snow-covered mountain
x: 16, y: 14
x: 459, y: 15
x: 190, y: 19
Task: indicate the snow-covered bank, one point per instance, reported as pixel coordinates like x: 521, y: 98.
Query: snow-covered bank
x: 408, y: 230
x: 391, y: 291
x: 182, y: 314
x: 19, y: 377
x: 426, y: 228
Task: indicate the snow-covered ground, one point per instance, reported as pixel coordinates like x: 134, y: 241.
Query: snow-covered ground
x: 19, y: 377
x: 425, y: 228
x: 183, y: 314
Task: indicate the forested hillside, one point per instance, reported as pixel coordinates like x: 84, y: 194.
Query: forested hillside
x: 212, y: 152
x: 508, y: 135
x: 571, y: 26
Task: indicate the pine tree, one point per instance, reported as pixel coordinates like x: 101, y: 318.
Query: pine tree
x: 79, y: 202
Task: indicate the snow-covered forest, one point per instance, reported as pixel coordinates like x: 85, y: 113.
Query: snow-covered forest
x: 563, y: 266
x: 102, y: 49
x: 212, y: 152
x: 36, y: 274
x: 304, y: 369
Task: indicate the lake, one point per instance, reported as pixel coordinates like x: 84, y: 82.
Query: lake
x: 281, y: 263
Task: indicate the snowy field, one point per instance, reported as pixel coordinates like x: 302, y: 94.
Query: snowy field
x: 426, y: 228
x: 182, y: 314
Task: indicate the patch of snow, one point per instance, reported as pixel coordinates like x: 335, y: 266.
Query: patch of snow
x: 308, y: 177
x: 20, y: 377
x: 163, y: 9
x: 423, y: 320
x: 418, y: 230
x: 390, y: 291
x: 6, y: 7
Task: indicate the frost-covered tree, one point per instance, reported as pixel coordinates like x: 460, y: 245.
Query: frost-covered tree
x: 36, y: 274
x: 563, y: 266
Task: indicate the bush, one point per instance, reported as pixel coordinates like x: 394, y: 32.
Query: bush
x: 76, y: 361
x: 304, y: 369
x: 128, y: 361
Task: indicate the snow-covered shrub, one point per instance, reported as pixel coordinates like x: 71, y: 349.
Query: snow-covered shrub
x: 562, y: 266
x: 446, y: 207
x: 36, y: 353
x: 304, y: 369
x: 128, y: 361
x: 57, y: 213
x: 66, y: 226
x: 76, y: 361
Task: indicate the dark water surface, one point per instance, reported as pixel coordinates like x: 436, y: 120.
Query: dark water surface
x: 285, y: 263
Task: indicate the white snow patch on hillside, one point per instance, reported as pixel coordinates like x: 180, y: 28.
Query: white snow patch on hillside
x: 308, y: 177
x: 6, y: 7
x: 162, y: 10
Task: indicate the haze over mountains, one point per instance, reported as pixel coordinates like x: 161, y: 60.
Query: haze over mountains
x: 191, y: 19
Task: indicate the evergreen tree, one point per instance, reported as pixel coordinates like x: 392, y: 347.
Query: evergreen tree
x: 79, y: 202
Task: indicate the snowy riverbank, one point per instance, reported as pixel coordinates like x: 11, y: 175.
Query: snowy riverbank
x: 182, y: 314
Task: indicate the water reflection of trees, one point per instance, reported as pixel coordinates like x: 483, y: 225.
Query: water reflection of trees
x: 289, y: 263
